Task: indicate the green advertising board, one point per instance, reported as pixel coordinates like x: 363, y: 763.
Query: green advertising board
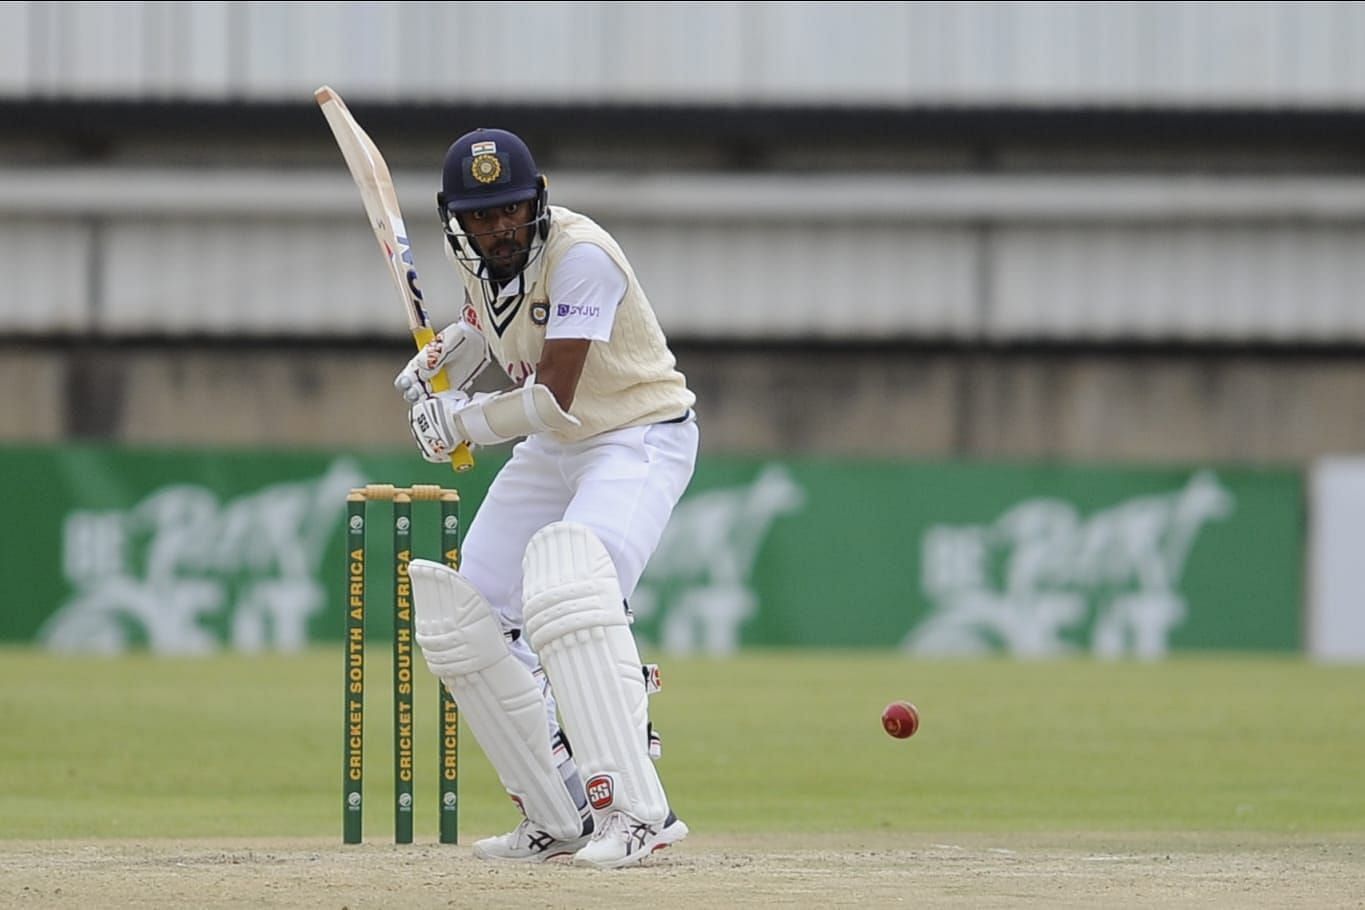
x: 185, y: 552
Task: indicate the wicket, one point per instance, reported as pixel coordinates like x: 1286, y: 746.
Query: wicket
x: 402, y: 499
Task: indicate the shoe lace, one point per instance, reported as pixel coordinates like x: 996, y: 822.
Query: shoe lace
x: 633, y: 833
x: 614, y: 825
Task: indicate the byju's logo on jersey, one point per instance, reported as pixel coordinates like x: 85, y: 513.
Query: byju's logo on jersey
x: 577, y: 309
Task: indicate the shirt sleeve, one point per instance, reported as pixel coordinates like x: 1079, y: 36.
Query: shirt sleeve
x: 585, y: 289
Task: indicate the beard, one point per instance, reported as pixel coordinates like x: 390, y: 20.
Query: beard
x: 505, y: 258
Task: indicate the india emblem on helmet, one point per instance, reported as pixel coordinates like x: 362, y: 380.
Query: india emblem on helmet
x: 486, y: 168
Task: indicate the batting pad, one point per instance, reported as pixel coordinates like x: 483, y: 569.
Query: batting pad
x: 577, y: 625
x: 462, y: 643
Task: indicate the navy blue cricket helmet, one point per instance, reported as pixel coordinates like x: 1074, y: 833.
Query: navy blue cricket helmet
x: 486, y: 169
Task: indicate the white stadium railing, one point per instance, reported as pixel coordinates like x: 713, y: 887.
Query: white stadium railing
x: 263, y: 253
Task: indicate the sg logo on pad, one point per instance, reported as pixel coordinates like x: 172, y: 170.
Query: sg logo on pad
x: 600, y: 791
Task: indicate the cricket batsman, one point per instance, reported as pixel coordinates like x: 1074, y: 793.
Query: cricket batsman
x: 535, y: 626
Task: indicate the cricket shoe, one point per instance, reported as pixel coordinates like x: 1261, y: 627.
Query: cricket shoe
x: 622, y: 840
x: 528, y: 843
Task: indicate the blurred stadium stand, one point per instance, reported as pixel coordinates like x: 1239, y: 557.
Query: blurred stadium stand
x: 1063, y: 230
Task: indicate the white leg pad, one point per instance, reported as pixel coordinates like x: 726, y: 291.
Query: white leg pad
x: 576, y: 623
x: 463, y: 645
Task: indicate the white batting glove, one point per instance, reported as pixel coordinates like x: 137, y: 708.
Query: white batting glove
x: 432, y: 428
x: 459, y: 350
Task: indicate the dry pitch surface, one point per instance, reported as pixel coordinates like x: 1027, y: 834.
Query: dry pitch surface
x: 920, y: 870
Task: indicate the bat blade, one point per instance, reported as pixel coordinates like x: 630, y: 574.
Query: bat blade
x: 377, y: 193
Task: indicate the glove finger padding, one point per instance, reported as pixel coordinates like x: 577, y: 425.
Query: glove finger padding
x: 411, y: 386
x: 460, y: 350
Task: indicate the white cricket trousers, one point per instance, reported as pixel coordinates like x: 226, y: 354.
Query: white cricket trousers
x: 622, y: 484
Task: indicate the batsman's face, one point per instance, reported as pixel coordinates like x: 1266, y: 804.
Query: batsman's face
x: 502, y: 235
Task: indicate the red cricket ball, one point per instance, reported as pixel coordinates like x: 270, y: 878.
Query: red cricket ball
x: 900, y: 719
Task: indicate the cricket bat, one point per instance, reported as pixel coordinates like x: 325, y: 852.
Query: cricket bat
x: 372, y: 176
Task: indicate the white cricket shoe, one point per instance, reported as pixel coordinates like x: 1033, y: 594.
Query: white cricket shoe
x: 622, y: 840
x: 530, y: 844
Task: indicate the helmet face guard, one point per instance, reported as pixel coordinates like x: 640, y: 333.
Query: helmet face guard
x: 488, y: 169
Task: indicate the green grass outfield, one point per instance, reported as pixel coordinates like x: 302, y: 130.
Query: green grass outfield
x: 767, y: 742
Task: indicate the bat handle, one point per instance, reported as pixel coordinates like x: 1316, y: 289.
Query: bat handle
x: 461, y: 459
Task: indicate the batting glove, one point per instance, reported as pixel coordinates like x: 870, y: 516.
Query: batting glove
x: 429, y: 420
x: 459, y: 351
